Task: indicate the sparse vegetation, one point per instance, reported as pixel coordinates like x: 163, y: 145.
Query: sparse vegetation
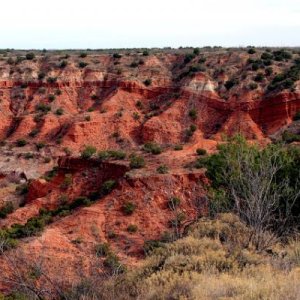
x: 162, y: 169
x: 137, y: 162
x: 111, y: 154
x: 21, y: 143
x: 88, y: 152
x: 128, y: 208
x: 152, y: 147
x: 148, y: 82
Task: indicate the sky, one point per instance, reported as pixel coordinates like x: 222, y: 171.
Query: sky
x: 65, y: 24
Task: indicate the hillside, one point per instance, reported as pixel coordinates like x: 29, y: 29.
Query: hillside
x: 102, y: 148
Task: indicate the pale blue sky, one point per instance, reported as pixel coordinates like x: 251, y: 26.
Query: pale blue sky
x: 153, y: 23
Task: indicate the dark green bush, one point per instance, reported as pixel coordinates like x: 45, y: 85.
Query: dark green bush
x: 40, y: 145
x: 289, y: 137
x: 162, y: 169
x: 44, y: 108
x: 21, y: 143
x: 266, y: 56
x: 128, y: 208
x: 251, y: 51
x: 111, y: 154
x: 230, y: 83
x: 253, y: 86
x: 107, y: 187
x: 59, y: 112
x: 259, y: 77
x: 148, y: 82
x: 137, y: 162
x: 201, y: 151
x: 82, y: 64
x: 63, y: 64
x: 117, y: 55
x: 132, y: 228
x: 83, y: 55
x: 30, y: 56
x: 80, y: 201
x: 145, y: 53
x: 88, y: 152
x: 189, y: 57
x: 102, y: 249
x: 297, y: 116
x: 8, y: 208
x: 51, y: 97
x: 51, y: 80
x: 193, y: 114
x: 152, y: 147
x: 174, y: 202
x: 178, y: 147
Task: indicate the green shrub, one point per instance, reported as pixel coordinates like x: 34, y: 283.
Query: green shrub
x: 145, y: 53
x: 82, y: 64
x: 162, y: 169
x: 59, y: 111
x: 102, y: 249
x: 107, y: 187
x: 63, y: 64
x: 266, y: 56
x: 189, y: 57
x: 253, y: 86
x: 128, y: 208
x: 269, y: 71
x: 111, y: 154
x: 51, y: 97
x: 40, y: 145
x: 22, y: 189
x: 30, y: 56
x: 148, y: 82
x: 134, y: 64
x: 8, y: 208
x: 259, y: 77
x: 137, y: 162
x: 132, y: 228
x: 83, y: 55
x: 21, y: 143
x: 230, y: 83
x: 289, y: 137
x: 88, y: 152
x: 117, y: 55
x: 28, y: 155
x: 178, y: 147
x: 281, y: 55
x: 152, y: 147
x: 67, y: 181
x: 297, y: 116
x: 113, y: 264
x: 80, y: 201
x: 193, y: 114
x: 251, y: 51
x: 201, y: 151
x: 136, y: 116
x: 51, y: 80
x: 151, y: 245
x: 174, y: 202
x: 43, y: 108
x: 41, y: 75
x: 196, y: 51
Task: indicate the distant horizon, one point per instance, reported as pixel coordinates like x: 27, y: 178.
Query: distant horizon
x: 148, y: 48
x: 57, y: 24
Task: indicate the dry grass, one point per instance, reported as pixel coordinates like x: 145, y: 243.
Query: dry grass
x: 215, y: 261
